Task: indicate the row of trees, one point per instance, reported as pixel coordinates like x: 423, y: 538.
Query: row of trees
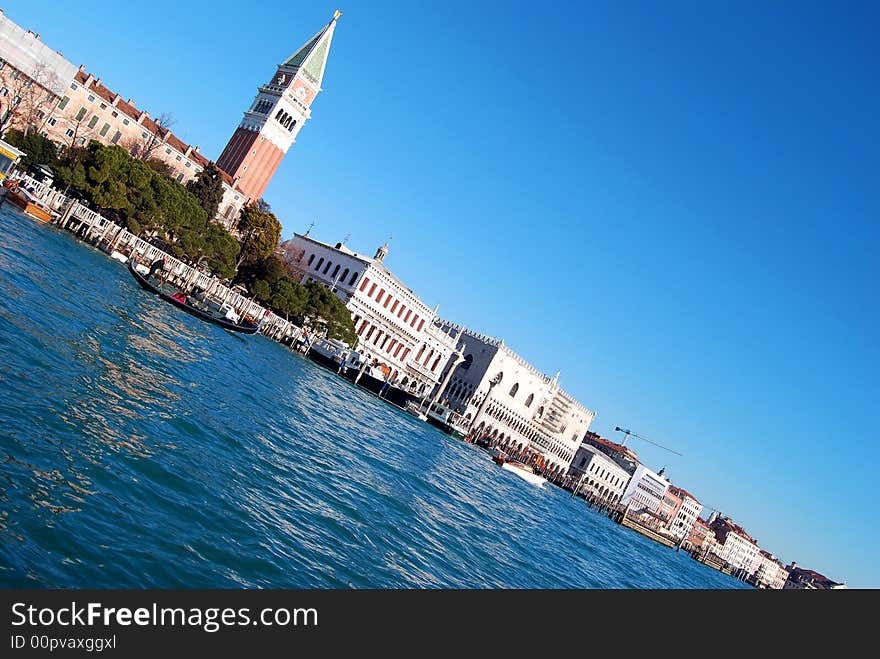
x: 141, y: 195
x: 313, y: 304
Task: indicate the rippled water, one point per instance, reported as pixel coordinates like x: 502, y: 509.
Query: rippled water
x: 142, y: 447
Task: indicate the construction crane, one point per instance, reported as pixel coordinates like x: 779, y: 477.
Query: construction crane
x: 630, y: 433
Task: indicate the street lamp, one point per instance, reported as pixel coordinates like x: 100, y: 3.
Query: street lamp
x: 492, y: 384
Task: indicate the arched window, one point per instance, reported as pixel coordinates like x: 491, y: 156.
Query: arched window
x: 292, y: 126
x: 278, y: 115
x: 540, y: 412
x: 336, y: 270
x: 530, y: 400
x: 345, y: 276
x: 320, y: 263
x: 311, y: 258
x: 354, y: 276
x: 514, y: 389
x: 327, y: 267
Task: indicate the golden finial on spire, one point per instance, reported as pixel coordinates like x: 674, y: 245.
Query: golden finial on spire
x: 336, y: 15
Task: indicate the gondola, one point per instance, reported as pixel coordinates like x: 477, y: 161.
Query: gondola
x: 211, y: 316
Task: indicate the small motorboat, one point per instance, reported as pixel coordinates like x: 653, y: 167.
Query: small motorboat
x: 26, y: 201
x: 415, y: 410
x: 221, y: 315
x: 522, y: 470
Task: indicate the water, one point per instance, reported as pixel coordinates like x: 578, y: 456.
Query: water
x: 144, y: 448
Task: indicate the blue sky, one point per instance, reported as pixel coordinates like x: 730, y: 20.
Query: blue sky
x: 675, y: 206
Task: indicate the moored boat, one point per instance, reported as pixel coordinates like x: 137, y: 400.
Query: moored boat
x: 522, y: 470
x: 416, y: 410
x: 219, y: 314
x: 27, y: 202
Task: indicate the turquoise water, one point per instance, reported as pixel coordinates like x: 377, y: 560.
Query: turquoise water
x: 143, y: 448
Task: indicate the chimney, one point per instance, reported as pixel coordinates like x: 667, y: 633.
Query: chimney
x: 130, y: 102
x: 143, y: 115
x: 89, y: 80
x: 188, y: 151
x: 116, y: 98
x: 82, y: 68
x: 97, y: 81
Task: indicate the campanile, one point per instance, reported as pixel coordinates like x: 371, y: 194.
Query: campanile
x: 276, y: 115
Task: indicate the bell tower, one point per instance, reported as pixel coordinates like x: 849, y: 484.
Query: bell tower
x: 276, y: 115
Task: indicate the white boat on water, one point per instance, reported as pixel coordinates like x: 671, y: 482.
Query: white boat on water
x: 415, y: 410
x: 525, y: 472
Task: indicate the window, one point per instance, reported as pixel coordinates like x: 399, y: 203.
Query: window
x: 421, y: 324
x: 529, y: 400
x: 69, y: 132
x: 408, y: 312
x: 372, y: 290
x: 114, y: 114
x: 320, y: 263
x: 188, y: 163
x: 168, y: 152
x: 327, y: 267
x: 80, y: 114
x: 336, y: 271
x: 104, y: 129
x: 311, y: 258
x: 387, y: 300
x: 379, y: 296
x: 402, y: 307
x: 62, y: 104
x: 364, y: 283
x: 178, y: 158
x: 74, y: 86
x: 91, y: 99
x: 344, y: 275
x: 514, y: 389
x: 116, y: 136
x: 52, y: 121
x: 103, y: 106
x: 414, y: 320
x: 125, y: 122
x: 354, y: 276
x: 180, y: 177
x: 3, y: 65
x: 93, y: 121
x: 394, y: 306
x: 4, y: 91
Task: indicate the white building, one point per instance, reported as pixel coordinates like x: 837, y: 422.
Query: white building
x: 393, y: 324
x: 735, y: 546
x: 645, y: 490
x: 770, y: 572
x: 598, y: 474
x: 527, y: 408
x: 690, y: 509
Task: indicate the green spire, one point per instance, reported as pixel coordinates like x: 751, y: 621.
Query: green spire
x: 312, y: 57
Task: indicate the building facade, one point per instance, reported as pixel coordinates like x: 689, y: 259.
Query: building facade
x: 735, y: 546
x: 769, y: 572
x: 645, y: 491
x: 276, y: 115
x: 684, y: 515
x: 700, y: 537
x: 803, y: 579
x: 598, y: 474
x: 393, y: 325
x: 622, y: 455
x: 526, y: 410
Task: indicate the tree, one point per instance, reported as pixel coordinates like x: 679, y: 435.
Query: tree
x: 38, y: 149
x: 261, y: 290
x: 260, y: 233
x: 325, y: 310
x: 289, y: 298
x: 24, y: 100
x: 207, y: 186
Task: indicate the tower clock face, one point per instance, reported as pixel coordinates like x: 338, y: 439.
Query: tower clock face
x: 301, y: 92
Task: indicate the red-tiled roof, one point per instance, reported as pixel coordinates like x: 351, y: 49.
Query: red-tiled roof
x: 681, y: 492
x: 149, y: 124
x: 620, y: 448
